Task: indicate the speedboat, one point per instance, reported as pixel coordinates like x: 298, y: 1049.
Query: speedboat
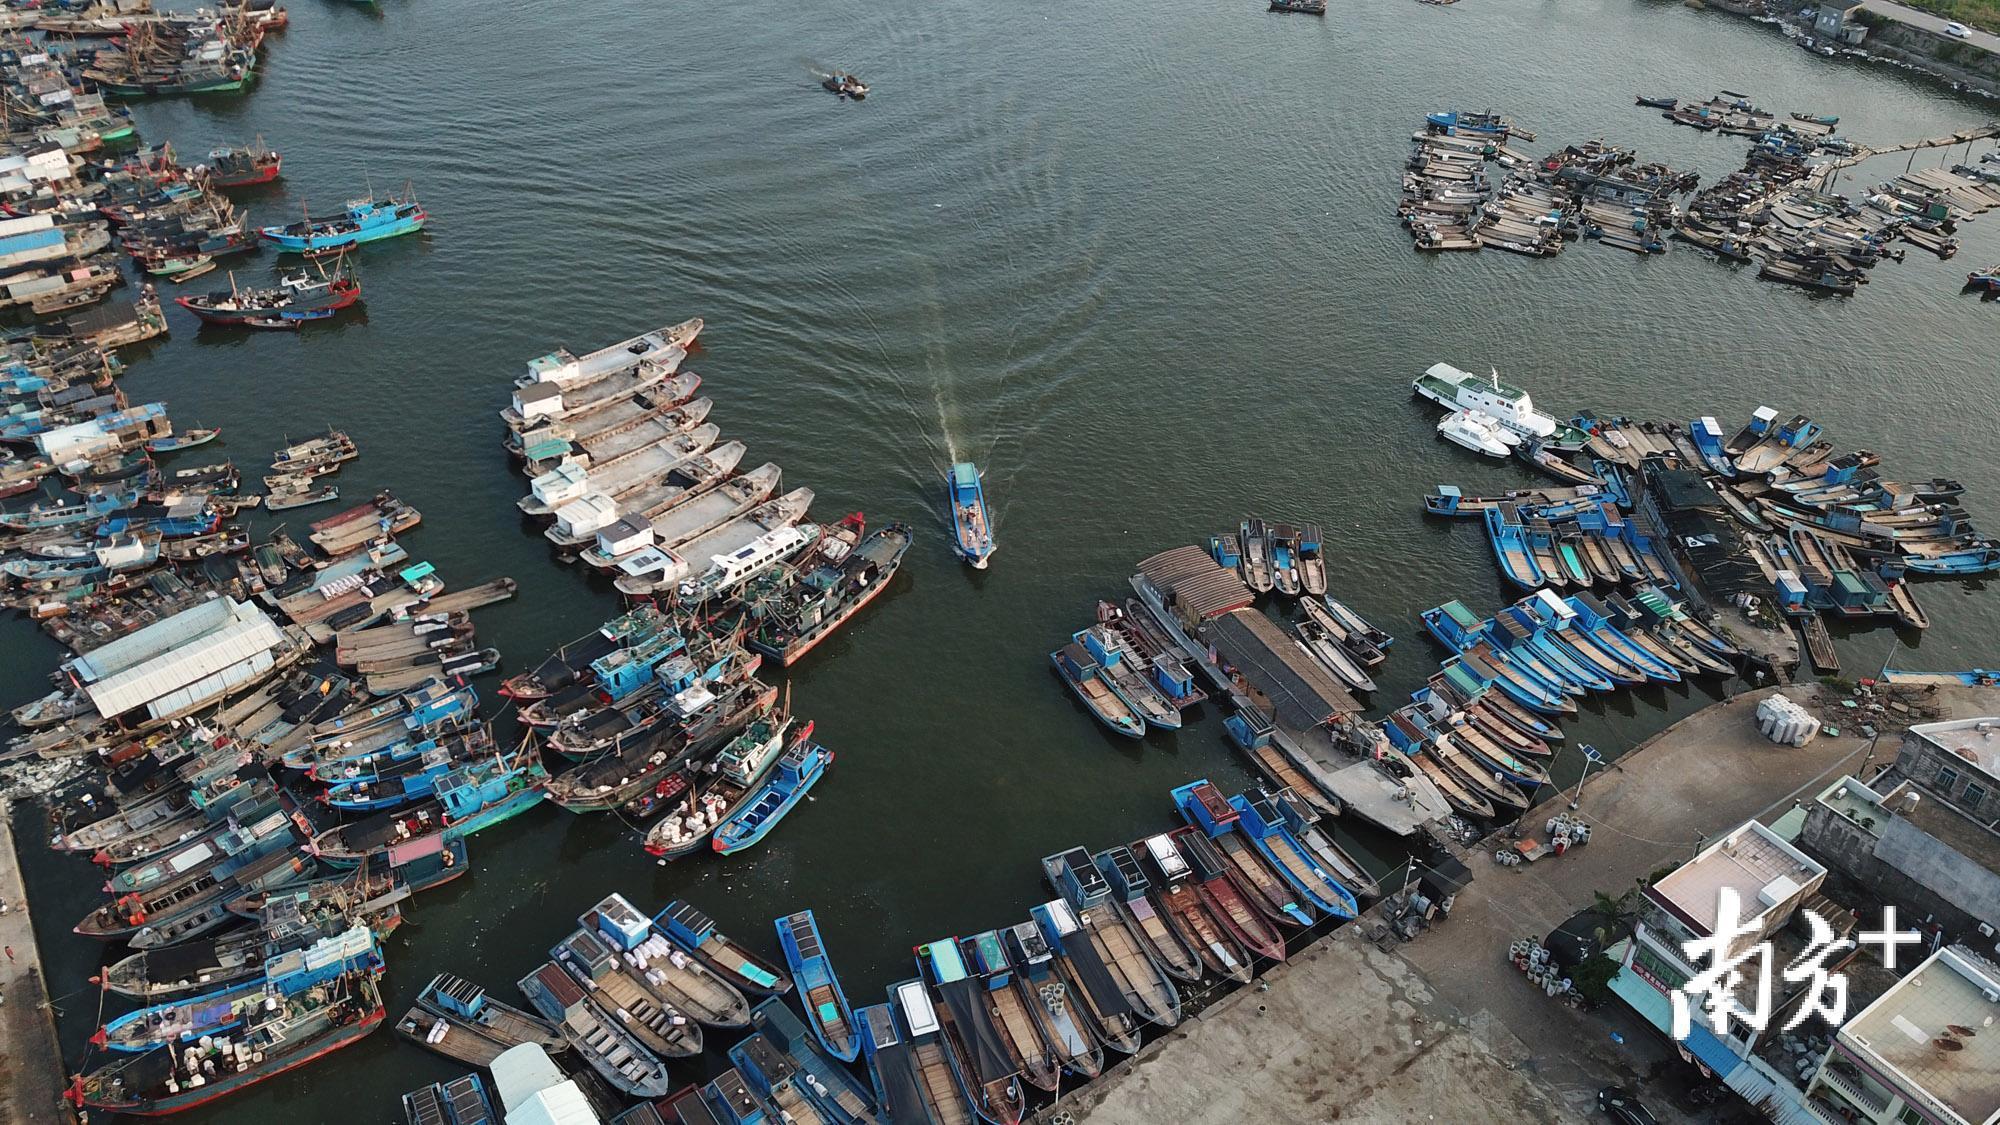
x: 846, y: 85
x: 1474, y: 432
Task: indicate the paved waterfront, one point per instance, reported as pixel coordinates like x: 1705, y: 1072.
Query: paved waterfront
x: 1513, y: 1055
x: 30, y: 1068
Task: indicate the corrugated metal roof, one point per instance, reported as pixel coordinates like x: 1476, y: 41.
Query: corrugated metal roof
x: 557, y: 1105
x: 199, y: 667
x: 1303, y: 692
x: 149, y: 642
x: 1194, y: 583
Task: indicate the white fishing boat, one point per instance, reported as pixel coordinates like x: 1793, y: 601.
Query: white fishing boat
x: 1475, y: 432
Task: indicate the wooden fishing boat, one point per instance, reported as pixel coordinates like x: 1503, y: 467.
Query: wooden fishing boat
x: 1205, y: 809
x: 988, y: 1065
x: 1016, y: 1031
x: 1179, y: 901
x: 913, y: 1079
x: 621, y: 992
x: 1131, y: 895
x: 363, y: 220
x: 459, y: 1020
x: 1254, y: 538
x: 1096, y: 995
x: 611, y: 1050
x: 1225, y: 900
x: 1040, y: 990
x: 819, y: 989
x: 1128, y: 676
x: 1265, y: 827
x: 1086, y: 678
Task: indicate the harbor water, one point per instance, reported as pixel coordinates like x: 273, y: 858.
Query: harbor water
x: 1139, y: 262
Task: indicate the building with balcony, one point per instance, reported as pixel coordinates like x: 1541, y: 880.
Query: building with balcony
x: 1902, y: 845
x: 1926, y: 1052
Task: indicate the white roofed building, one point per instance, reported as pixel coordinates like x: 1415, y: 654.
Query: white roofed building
x: 181, y: 662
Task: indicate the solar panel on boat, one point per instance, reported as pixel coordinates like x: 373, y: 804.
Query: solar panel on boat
x: 804, y: 935
x: 881, y: 1026
x: 424, y: 1107
x: 468, y: 1101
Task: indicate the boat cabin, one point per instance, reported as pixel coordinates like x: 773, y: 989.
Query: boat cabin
x: 1026, y: 943
x: 624, y: 537
x: 1167, y: 859
x: 1203, y: 862
x: 1057, y: 921
x: 989, y: 958
x: 587, y: 954
x: 618, y: 921
x: 457, y: 995
x: 746, y: 759
x: 1205, y: 805
x: 1553, y: 611
x: 1258, y: 816
x: 726, y: 572
x: 538, y: 400
x: 1249, y: 728
x: 560, y: 987
x: 1226, y: 551
x: 1121, y: 868
x: 560, y: 485
x: 943, y: 960
x: 913, y: 1000
x: 1077, y: 878
x: 586, y: 515
x: 1076, y: 662
x: 1096, y: 641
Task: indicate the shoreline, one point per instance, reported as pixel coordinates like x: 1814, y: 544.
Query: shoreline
x: 27, y: 1022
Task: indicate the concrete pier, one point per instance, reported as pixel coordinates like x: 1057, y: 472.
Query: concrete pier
x: 1443, y: 1028
x: 31, y: 1078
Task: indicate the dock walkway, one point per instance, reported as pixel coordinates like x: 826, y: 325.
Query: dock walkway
x: 31, y: 1079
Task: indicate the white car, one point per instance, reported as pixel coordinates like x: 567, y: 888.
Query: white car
x: 1957, y: 30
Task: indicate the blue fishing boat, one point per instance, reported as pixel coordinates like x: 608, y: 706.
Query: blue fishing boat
x: 410, y: 780
x: 215, y: 1013
x: 1559, y: 630
x: 41, y: 516
x: 467, y: 799
x: 1971, y: 560
x: 1522, y: 635
x: 365, y: 220
x: 1207, y: 811
x: 819, y: 989
x: 1265, y: 828
x: 1480, y: 124
x: 829, y: 1086
x: 780, y: 793
x: 1509, y: 536
x: 1709, y: 442
x: 695, y: 933
x: 1096, y: 995
x: 185, y: 439
x: 972, y: 524
x: 1591, y: 621
x: 1086, y: 677
x: 983, y: 1054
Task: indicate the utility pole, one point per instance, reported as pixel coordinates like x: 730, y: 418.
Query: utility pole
x: 1590, y: 758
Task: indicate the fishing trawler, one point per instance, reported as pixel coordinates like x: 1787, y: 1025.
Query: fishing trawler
x: 365, y: 220
x: 297, y: 298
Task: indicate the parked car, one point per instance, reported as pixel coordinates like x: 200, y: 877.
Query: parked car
x: 1618, y: 1104
x: 1957, y: 30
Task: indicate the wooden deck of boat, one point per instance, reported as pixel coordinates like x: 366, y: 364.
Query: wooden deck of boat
x: 460, y: 1043
x: 934, y: 1073
x: 1137, y: 976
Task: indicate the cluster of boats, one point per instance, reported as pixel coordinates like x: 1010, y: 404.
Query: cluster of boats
x: 982, y: 1023
x: 670, y: 727
x: 1778, y: 212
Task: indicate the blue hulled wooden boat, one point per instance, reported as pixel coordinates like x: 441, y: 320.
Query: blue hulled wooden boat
x: 972, y: 524
x: 1208, y: 812
x: 696, y: 934
x: 819, y: 989
x: 364, y: 220
x: 832, y: 1088
x: 1266, y: 830
x: 787, y: 784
